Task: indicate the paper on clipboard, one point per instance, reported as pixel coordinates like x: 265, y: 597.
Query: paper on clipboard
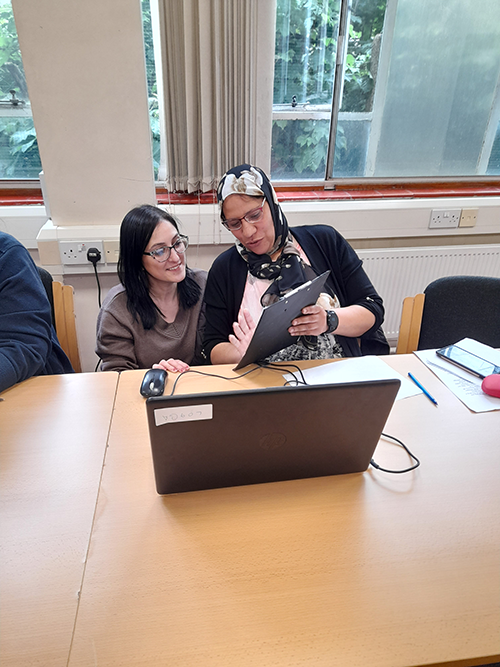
x: 465, y: 386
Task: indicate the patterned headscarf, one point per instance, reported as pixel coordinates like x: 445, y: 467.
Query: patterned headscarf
x: 287, y: 271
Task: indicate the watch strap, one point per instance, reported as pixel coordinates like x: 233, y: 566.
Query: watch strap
x: 332, y: 321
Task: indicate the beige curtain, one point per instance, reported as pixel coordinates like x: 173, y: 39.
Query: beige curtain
x: 215, y: 66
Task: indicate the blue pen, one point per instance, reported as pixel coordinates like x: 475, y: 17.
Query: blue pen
x: 431, y: 398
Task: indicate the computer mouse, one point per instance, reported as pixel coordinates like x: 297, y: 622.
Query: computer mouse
x: 491, y: 385
x: 153, y: 383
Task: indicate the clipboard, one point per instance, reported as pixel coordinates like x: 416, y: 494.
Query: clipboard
x: 271, y: 333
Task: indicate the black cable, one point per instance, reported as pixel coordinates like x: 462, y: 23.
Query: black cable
x: 278, y: 367
x: 397, y: 472
x: 257, y: 367
x: 213, y: 375
x: 94, y: 256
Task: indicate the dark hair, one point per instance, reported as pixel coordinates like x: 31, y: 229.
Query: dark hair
x: 136, y: 229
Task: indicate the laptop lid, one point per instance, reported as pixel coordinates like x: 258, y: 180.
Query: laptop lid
x: 271, y: 333
x: 203, y: 441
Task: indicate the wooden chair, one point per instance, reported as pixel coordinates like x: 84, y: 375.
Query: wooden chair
x: 64, y: 316
x: 450, y: 309
x: 411, y: 321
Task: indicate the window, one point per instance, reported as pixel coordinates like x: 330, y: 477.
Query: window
x: 363, y: 89
x: 19, y: 157
x: 414, y: 86
x: 152, y: 87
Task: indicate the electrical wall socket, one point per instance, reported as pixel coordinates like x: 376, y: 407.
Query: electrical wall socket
x: 75, y: 252
x: 111, y: 251
x: 445, y: 218
x: 468, y: 217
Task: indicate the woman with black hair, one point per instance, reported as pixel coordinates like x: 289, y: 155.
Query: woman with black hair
x: 155, y: 317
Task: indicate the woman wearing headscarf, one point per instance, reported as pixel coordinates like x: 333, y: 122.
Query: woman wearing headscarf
x: 268, y: 260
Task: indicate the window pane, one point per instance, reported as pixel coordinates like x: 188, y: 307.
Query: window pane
x: 152, y: 89
x: 420, y: 95
x: 19, y: 157
x: 306, y: 44
x: 353, y: 131
x: 440, y: 97
x: 299, y: 149
x: 494, y: 161
x: 366, y: 23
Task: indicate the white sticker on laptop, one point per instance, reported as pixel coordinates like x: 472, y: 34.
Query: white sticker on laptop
x: 183, y: 413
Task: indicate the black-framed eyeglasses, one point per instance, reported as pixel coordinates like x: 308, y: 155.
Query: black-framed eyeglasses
x: 252, y: 217
x: 162, y: 253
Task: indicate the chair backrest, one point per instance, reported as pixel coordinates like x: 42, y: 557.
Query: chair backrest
x: 64, y: 314
x: 461, y: 306
x: 46, y: 279
x: 453, y: 308
x: 411, y: 320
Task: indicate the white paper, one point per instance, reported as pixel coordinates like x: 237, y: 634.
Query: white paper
x: 464, y: 385
x: 183, y: 413
x: 357, y: 369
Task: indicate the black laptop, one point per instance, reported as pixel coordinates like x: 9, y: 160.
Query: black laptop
x: 204, y: 441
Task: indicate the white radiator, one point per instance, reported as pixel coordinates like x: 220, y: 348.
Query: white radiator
x: 400, y: 272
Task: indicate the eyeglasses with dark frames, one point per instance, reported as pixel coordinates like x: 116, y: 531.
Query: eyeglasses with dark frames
x: 252, y: 217
x: 162, y: 254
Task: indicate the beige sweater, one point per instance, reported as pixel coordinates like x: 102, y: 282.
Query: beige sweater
x: 124, y: 344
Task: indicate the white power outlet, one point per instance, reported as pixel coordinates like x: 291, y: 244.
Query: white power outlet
x: 75, y: 252
x: 445, y: 218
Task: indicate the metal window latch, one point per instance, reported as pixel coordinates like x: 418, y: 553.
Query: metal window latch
x: 302, y: 105
x: 13, y: 102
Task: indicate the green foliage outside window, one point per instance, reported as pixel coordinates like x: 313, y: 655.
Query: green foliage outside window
x: 19, y: 157
x: 306, y: 43
x: 154, y: 118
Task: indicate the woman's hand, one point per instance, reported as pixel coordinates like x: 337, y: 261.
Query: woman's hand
x: 353, y: 321
x: 233, y: 351
x: 312, y: 322
x: 173, y: 365
x: 243, y: 332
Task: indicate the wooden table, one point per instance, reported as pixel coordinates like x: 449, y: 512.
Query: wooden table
x: 53, y: 435
x: 366, y: 569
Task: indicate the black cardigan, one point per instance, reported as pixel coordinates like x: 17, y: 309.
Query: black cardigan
x: 326, y: 249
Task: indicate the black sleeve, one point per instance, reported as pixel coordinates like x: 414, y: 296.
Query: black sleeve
x: 327, y: 249
x: 223, y: 295
x: 25, y: 319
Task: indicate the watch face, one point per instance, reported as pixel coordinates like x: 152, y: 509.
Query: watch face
x: 332, y: 321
